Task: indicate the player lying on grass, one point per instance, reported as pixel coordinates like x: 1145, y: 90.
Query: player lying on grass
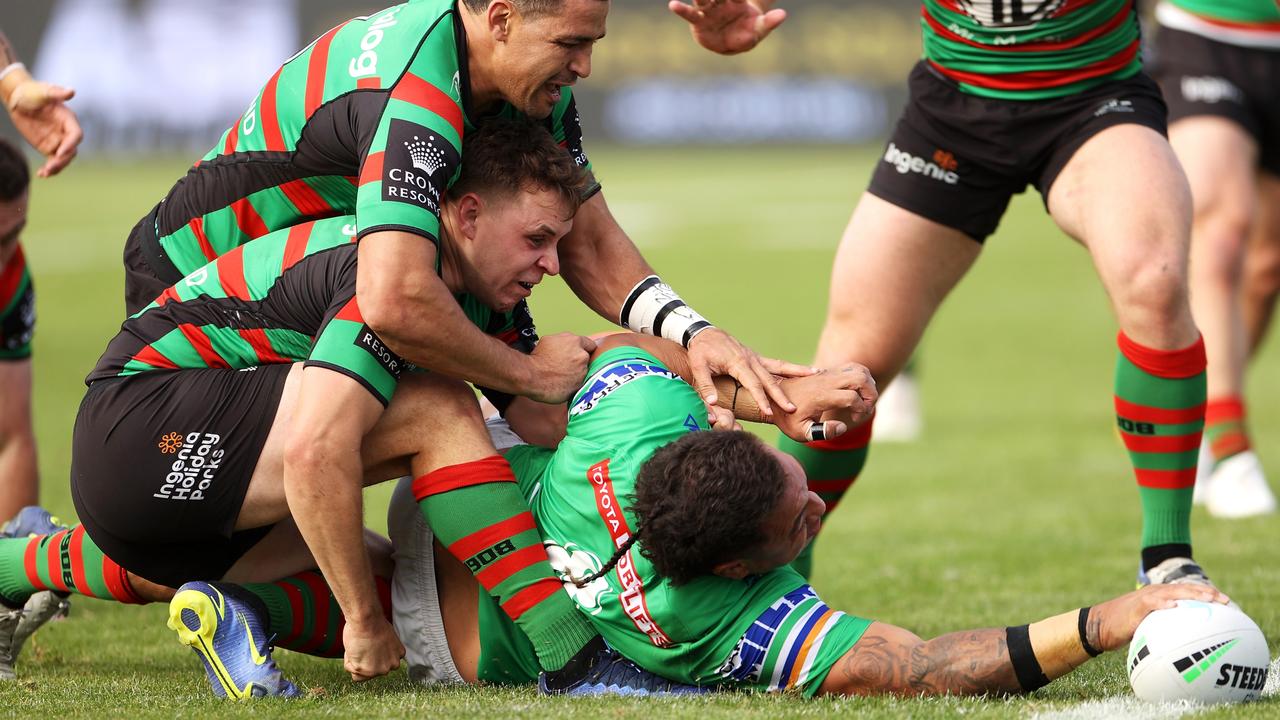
x: 677, y: 544
x: 227, y: 407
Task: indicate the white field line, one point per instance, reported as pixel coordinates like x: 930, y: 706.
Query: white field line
x: 1120, y: 708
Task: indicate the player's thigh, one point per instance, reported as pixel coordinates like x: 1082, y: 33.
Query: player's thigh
x: 892, y: 271
x: 15, y: 398
x: 283, y: 552
x: 1262, y: 259
x: 1124, y: 196
x: 264, y: 501
x: 1219, y: 158
x: 432, y: 421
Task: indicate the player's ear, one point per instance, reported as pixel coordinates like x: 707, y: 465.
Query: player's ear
x: 470, y: 207
x: 499, y: 17
x: 732, y: 569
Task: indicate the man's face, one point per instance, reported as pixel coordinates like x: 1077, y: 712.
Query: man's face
x: 13, y: 218
x: 541, y: 54
x: 792, y: 524
x: 512, y: 245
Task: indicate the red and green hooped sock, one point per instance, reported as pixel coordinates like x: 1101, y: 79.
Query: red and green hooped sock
x: 66, y: 562
x: 1224, y: 427
x: 1160, y: 409
x: 477, y: 512
x: 304, y: 615
x: 831, y: 466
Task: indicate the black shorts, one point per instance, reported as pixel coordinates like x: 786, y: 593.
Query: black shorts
x: 957, y: 158
x: 161, y: 462
x: 1201, y: 76
x: 146, y: 274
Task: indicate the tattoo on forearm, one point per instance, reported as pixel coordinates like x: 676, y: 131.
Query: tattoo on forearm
x: 7, y: 55
x: 964, y: 663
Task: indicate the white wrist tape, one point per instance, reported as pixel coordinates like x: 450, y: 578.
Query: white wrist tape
x: 11, y: 68
x: 653, y: 308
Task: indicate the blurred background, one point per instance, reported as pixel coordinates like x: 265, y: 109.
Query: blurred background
x: 163, y: 75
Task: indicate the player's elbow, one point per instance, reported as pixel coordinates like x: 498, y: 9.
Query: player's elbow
x: 387, y: 308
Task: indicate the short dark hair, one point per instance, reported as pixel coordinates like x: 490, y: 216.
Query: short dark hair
x: 14, y: 174
x: 510, y: 156
x: 529, y: 7
x: 703, y: 500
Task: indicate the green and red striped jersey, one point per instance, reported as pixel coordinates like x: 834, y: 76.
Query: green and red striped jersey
x: 367, y: 120
x: 289, y: 296
x: 17, y: 308
x: 1250, y: 23
x: 1031, y: 49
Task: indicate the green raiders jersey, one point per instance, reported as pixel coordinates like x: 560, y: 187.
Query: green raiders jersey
x: 367, y: 120
x: 289, y: 296
x: 768, y: 632
x: 1031, y: 49
x: 17, y: 308
x: 1249, y: 23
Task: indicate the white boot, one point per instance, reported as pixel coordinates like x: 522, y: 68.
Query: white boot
x: 1239, y: 489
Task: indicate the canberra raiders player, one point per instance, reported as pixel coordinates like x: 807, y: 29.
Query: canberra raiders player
x: 676, y: 543
x: 1049, y: 93
x: 1217, y: 62
x: 227, y: 405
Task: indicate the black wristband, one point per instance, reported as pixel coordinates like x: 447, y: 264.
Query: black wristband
x: 1084, y: 637
x: 1025, y: 665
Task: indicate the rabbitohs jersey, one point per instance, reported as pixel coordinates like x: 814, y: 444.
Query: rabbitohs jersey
x: 1031, y: 49
x: 366, y: 120
x: 17, y: 308
x: 287, y: 297
x: 769, y: 632
x: 1248, y: 23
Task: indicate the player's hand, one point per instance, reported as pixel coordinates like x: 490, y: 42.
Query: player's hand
x: 559, y: 365
x: 372, y: 650
x: 828, y: 403
x: 40, y: 113
x: 722, y: 418
x: 729, y: 27
x: 1111, y: 624
x: 715, y: 352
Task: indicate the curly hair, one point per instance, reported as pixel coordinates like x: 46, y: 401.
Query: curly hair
x: 509, y: 156
x: 703, y: 500
x: 14, y: 174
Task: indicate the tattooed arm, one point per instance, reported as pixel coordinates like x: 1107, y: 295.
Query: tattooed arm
x: 39, y: 111
x: 891, y: 660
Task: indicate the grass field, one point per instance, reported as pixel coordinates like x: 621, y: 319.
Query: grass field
x: 1017, y: 504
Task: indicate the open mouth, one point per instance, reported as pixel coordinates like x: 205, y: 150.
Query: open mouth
x: 526, y: 285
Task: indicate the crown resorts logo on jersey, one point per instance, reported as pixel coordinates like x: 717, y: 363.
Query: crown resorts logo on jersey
x: 424, y: 155
x: 417, y: 165
x: 195, y: 468
x: 369, y: 341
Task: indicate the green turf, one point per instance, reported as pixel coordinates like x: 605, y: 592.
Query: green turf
x: 1017, y: 504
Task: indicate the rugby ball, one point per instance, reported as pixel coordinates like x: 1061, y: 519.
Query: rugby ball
x: 1203, y: 652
